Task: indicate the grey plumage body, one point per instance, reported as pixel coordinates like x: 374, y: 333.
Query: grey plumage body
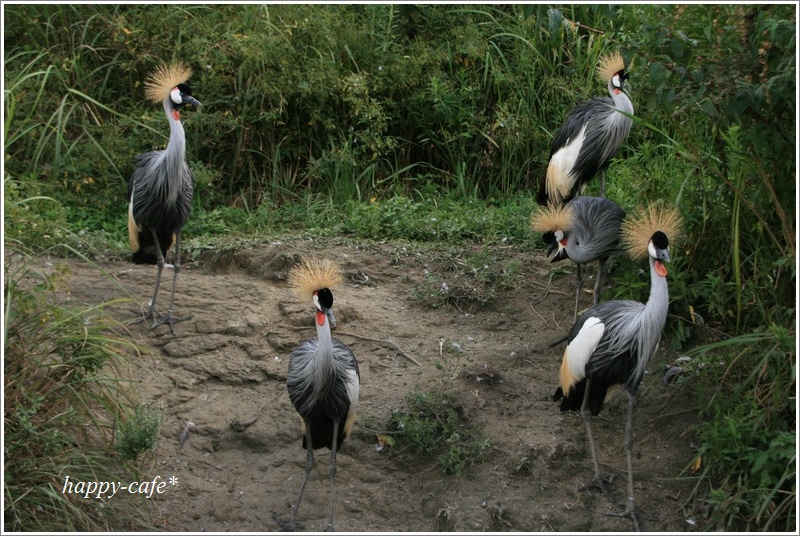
x: 162, y: 185
x: 594, y: 235
x: 585, y: 144
x: 631, y: 333
x: 160, y: 194
x: 323, y: 383
x: 318, y: 388
x: 612, y: 344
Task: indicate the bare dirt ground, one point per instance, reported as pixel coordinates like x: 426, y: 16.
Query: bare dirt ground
x: 226, y: 373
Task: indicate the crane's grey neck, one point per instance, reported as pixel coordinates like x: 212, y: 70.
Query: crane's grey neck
x: 324, y: 339
x: 314, y: 367
x: 173, y: 159
x: 324, y: 369
x: 652, y: 320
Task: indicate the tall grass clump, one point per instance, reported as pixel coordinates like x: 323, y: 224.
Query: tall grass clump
x: 351, y: 101
x: 65, y: 398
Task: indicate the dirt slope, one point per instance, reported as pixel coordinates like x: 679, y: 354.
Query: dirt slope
x: 226, y: 373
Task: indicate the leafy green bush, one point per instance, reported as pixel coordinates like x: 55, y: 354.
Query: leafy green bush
x: 748, y: 440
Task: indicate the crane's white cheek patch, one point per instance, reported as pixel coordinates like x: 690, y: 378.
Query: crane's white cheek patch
x: 175, y: 95
x: 579, y: 351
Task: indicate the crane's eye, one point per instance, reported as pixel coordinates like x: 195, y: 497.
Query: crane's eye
x: 175, y: 95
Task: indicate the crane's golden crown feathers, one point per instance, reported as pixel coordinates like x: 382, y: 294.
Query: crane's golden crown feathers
x: 312, y: 274
x: 610, y: 65
x: 552, y: 218
x: 163, y: 78
x: 638, y: 229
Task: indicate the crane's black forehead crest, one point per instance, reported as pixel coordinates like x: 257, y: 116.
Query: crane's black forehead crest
x: 610, y: 65
x: 640, y: 228
x: 325, y: 297
x: 660, y: 240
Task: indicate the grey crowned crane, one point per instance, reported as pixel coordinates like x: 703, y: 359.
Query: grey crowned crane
x: 161, y: 187
x: 590, y: 137
x: 323, y: 379
x: 612, y: 343
x: 585, y: 230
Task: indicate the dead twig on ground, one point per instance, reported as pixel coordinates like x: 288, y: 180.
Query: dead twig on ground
x: 372, y: 339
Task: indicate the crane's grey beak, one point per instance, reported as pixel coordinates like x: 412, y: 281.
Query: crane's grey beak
x: 550, y: 247
x: 663, y: 255
x: 331, y: 318
x: 188, y: 99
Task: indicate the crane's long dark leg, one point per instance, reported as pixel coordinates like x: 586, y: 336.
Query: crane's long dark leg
x: 168, y: 318
x: 331, y: 474
x: 602, y: 183
x: 292, y: 524
x: 598, y: 284
x: 578, y: 286
x: 630, y: 510
x: 598, y: 481
x: 152, y: 313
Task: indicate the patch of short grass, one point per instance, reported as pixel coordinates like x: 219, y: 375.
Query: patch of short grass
x: 469, y: 282
x: 434, y: 423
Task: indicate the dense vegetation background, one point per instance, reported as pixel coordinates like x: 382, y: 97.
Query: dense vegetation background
x: 433, y: 122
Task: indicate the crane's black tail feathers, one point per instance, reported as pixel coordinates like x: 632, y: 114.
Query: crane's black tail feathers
x: 146, y: 254
x: 322, y: 435
x: 574, y: 401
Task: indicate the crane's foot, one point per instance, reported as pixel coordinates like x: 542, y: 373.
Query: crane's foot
x: 634, y: 514
x: 170, y: 321
x: 286, y: 526
x: 145, y: 315
x: 602, y: 484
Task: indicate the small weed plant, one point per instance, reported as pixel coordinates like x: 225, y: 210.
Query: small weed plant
x: 433, y: 423
x: 138, y: 434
